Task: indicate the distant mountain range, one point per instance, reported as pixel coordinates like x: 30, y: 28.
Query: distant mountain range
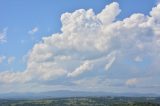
x: 65, y: 93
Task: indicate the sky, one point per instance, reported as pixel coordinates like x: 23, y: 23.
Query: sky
x: 86, y: 45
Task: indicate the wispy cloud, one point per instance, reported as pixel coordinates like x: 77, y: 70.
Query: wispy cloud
x: 3, y: 35
x: 132, y: 82
x: 138, y: 59
x: 2, y: 58
x: 10, y: 59
x: 33, y: 31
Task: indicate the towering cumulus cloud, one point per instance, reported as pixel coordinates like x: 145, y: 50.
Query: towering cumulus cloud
x: 96, y: 46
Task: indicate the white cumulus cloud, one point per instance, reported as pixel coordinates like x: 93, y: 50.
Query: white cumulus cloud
x: 89, y: 44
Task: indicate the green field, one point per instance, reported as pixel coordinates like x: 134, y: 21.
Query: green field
x: 86, y: 101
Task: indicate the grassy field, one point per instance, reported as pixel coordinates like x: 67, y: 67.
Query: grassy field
x: 86, y: 101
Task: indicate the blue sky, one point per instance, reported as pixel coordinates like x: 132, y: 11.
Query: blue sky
x: 23, y: 25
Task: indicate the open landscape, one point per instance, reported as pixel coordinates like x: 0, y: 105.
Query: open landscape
x: 86, y: 101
